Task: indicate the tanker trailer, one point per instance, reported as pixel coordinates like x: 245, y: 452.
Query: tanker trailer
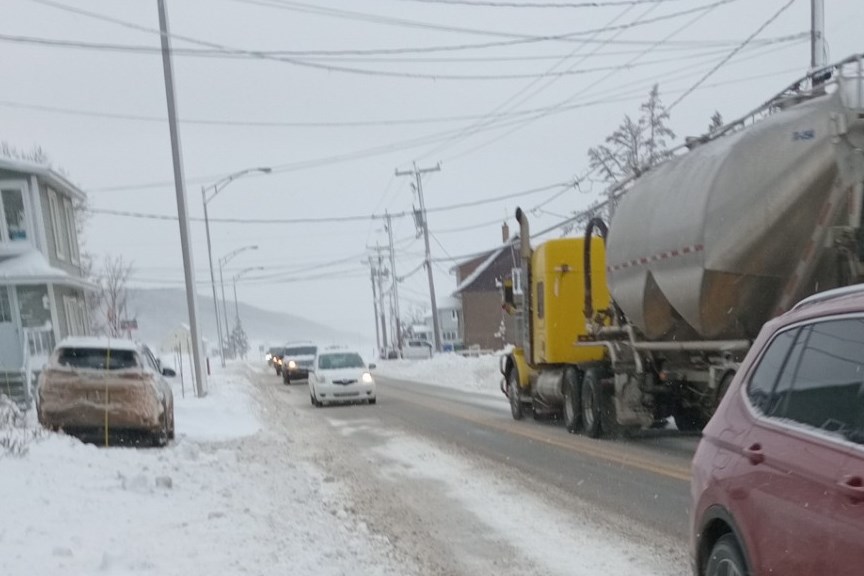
x: 700, y: 252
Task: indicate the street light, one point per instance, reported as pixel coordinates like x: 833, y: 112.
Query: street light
x: 237, y: 277
x: 222, y: 262
x: 218, y: 187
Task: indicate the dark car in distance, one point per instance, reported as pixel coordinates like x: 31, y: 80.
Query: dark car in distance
x: 778, y: 477
x: 297, y: 361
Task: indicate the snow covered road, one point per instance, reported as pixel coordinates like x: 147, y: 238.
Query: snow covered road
x: 259, y: 482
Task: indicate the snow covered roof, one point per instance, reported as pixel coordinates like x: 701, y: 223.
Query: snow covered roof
x: 493, y: 255
x: 45, y: 172
x: 31, y: 267
x: 99, y: 342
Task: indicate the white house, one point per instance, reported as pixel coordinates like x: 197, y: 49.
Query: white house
x: 42, y: 287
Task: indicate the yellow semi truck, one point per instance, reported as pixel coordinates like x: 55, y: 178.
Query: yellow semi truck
x: 625, y: 327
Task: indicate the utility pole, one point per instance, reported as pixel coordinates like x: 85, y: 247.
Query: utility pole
x: 395, y: 282
x: 817, y: 34
x: 182, y: 208
x: 381, y: 272
x: 418, y: 176
x: 375, y: 303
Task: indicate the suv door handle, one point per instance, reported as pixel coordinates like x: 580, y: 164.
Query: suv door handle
x: 852, y: 487
x: 754, y: 453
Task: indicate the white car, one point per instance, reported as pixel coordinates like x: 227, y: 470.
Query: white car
x: 341, y: 376
x: 417, y: 350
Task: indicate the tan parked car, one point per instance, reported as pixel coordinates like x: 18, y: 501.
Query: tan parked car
x: 91, y: 381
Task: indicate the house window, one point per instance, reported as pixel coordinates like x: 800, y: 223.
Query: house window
x: 454, y: 315
x: 35, y: 306
x: 75, y: 320
x: 71, y: 230
x: 14, y: 214
x: 57, y: 225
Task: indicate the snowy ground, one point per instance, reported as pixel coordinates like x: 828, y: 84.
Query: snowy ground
x: 477, y: 374
x: 225, y: 498
x: 258, y: 482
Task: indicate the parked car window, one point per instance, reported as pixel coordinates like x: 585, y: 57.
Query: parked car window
x: 775, y: 404
x: 150, y: 359
x: 338, y: 361
x: 767, y: 372
x: 826, y: 391
x: 97, y: 358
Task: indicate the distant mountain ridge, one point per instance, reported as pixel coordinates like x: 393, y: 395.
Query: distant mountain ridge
x: 160, y: 311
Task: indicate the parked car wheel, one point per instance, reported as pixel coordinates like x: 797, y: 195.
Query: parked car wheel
x: 689, y: 419
x: 373, y: 401
x: 726, y: 559
x: 160, y: 438
x: 170, y: 413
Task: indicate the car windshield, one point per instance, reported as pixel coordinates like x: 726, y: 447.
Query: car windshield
x: 292, y: 352
x: 97, y: 358
x: 340, y: 360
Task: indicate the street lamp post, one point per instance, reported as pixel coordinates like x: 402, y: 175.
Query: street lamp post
x: 218, y: 187
x: 222, y: 262
x: 237, y: 277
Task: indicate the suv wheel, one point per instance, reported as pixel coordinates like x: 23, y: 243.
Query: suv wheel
x: 726, y: 559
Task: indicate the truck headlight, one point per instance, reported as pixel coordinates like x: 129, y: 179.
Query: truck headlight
x: 292, y: 364
x: 367, y: 378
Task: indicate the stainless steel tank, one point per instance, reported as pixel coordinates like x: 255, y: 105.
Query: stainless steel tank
x: 708, y: 245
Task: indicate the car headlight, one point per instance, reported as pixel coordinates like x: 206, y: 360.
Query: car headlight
x: 292, y: 364
x: 268, y: 356
x: 367, y: 378
x: 278, y: 361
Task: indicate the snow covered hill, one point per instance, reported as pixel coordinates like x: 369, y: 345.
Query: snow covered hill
x: 160, y: 311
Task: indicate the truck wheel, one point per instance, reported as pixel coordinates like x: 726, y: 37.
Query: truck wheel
x: 572, y: 401
x: 592, y: 398
x: 515, y: 394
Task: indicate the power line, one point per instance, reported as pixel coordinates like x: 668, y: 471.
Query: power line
x: 328, y: 219
x: 56, y: 43
x: 582, y: 91
x: 503, y: 4
x: 732, y: 53
x: 570, y: 36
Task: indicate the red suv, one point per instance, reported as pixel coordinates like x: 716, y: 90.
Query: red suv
x: 778, y: 478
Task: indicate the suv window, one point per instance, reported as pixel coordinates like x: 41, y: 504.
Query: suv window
x: 762, y: 382
x: 826, y: 389
x: 97, y: 358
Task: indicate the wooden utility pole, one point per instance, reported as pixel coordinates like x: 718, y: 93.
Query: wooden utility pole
x: 418, y: 177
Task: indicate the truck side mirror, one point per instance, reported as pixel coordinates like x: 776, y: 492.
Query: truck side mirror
x: 169, y: 372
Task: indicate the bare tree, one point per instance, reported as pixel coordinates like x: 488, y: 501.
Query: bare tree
x: 716, y: 121
x: 36, y: 154
x: 636, y: 144
x: 111, y: 300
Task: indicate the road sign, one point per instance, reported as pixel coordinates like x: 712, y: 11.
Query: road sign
x: 129, y: 324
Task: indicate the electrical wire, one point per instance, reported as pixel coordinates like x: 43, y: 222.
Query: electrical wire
x: 502, y: 4
x: 309, y: 64
x: 732, y: 54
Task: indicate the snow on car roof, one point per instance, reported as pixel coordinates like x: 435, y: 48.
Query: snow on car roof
x: 98, y: 342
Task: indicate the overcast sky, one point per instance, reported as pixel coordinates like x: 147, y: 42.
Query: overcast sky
x: 125, y: 164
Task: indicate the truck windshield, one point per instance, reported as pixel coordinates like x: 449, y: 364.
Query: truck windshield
x: 300, y: 351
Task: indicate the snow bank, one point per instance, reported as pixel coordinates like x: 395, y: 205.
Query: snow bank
x: 194, y: 508
x: 225, y: 413
x: 477, y: 374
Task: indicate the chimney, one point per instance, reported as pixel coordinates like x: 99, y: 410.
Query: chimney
x: 505, y: 233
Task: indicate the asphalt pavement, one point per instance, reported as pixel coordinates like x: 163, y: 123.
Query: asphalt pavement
x: 645, y: 478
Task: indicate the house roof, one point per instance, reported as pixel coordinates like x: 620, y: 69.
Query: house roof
x: 31, y: 267
x: 492, y: 256
x: 45, y: 172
